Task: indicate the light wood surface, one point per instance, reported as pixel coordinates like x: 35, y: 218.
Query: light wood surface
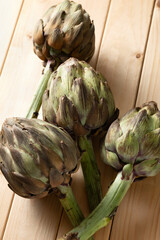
x: 9, y: 13
x: 123, y: 46
x: 128, y: 55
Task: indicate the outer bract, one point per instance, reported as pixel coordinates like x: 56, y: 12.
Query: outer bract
x: 77, y: 98
x: 64, y: 31
x: 135, y: 139
x: 35, y: 156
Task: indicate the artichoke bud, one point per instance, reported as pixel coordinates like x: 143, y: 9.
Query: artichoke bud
x: 150, y: 145
x: 65, y: 112
x: 114, y: 132
x: 64, y: 27
x: 38, y: 33
x: 72, y: 20
x: 155, y: 118
x: 140, y: 124
x: 135, y: 139
x: 149, y: 167
x: 130, y: 114
x: 35, y: 156
x: 112, y: 159
x: 150, y: 107
x: 127, y: 147
x: 127, y: 171
x: 77, y: 98
x: 55, y: 39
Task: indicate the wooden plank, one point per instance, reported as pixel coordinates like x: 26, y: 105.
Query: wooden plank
x: 120, y: 60
x: 123, y: 45
x: 21, y: 73
x: 33, y: 219
x: 9, y: 12
x: 139, y: 212
x: 5, y: 203
x: 150, y: 79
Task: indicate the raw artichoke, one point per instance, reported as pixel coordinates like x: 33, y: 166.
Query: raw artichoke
x: 135, y: 139
x: 77, y: 98
x: 64, y: 31
x: 35, y: 156
x: 132, y: 146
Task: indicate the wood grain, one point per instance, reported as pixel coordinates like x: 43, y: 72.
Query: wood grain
x: 140, y: 210
x: 19, y: 79
x: 9, y: 12
x: 150, y: 79
x: 123, y: 46
x: 5, y: 203
x: 33, y: 219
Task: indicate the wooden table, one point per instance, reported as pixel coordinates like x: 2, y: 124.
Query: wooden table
x: 128, y: 55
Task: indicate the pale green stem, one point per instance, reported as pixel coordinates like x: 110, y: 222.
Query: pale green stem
x: 70, y: 205
x: 37, y: 100
x: 101, y: 216
x: 91, y: 172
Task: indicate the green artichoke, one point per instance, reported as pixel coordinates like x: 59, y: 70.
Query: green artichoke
x: 132, y: 146
x: 135, y: 139
x: 77, y: 98
x: 35, y: 156
x: 64, y: 31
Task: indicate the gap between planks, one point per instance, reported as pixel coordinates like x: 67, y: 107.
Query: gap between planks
x: 98, y: 52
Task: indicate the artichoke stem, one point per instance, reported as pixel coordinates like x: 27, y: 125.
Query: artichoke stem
x: 102, y: 214
x: 70, y: 205
x: 91, y: 172
x: 37, y: 100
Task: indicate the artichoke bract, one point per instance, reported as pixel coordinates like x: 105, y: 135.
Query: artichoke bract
x: 135, y: 139
x: 64, y: 31
x: 35, y: 156
x: 77, y: 98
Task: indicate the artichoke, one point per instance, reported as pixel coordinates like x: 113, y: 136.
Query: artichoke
x: 64, y: 31
x: 132, y: 146
x: 135, y: 139
x: 77, y: 98
x: 36, y: 157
